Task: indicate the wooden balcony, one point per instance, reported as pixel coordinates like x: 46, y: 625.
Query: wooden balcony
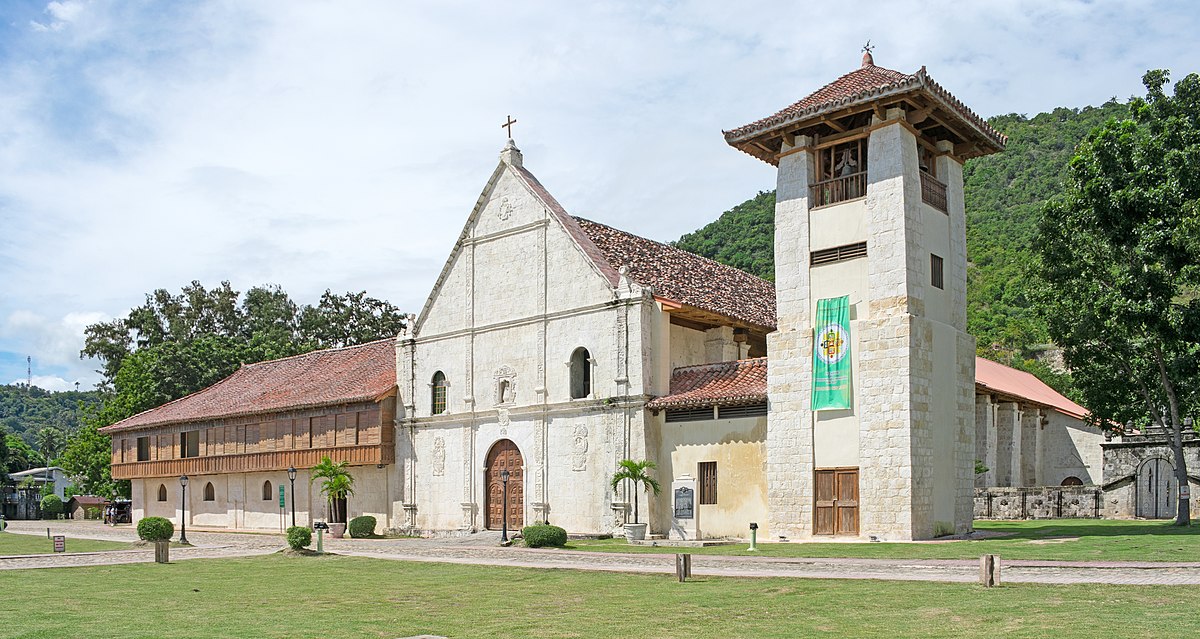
x: 838, y: 189
x: 276, y: 460
x: 933, y: 192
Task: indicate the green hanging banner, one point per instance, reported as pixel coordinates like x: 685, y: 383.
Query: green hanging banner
x: 831, y: 355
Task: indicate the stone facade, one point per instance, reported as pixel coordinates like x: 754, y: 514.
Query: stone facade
x: 1139, y: 479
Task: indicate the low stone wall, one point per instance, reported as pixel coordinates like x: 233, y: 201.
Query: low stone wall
x: 1039, y: 502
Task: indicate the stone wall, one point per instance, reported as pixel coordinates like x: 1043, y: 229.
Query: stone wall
x: 1125, y: 460
x: 1039, y: 502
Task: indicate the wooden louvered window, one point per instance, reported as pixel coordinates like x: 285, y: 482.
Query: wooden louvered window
x: 937, y: 276
x: 838, y: 254
x: 707, y: 482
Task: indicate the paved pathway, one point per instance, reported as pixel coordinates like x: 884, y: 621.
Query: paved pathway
x: 481, y: 549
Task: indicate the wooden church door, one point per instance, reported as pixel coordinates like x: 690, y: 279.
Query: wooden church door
x: 505, y: 456
x: 835, y: 494
x: 1155, y: 497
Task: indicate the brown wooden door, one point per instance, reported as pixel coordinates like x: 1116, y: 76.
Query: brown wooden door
x: 835, y: 494
x: 505, y: 456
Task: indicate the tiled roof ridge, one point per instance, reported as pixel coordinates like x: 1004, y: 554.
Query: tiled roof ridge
x: 733, y: 363
x: 366, y: 391
x: 319, y: 351
x: 720, y: 265
x: 901, y: 81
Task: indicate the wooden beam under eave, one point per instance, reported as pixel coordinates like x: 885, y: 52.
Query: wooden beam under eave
x: 834, y: 124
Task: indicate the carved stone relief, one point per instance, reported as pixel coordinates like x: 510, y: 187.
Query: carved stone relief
x: 503, y: 419
x: 439, y: 457
x: 579, y: 448
x: 505, y: 209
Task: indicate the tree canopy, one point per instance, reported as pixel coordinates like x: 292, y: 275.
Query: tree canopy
x: 1118, y: 260
x: 177, y: 344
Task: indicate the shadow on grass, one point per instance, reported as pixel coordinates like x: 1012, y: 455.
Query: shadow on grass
x: 1050, y: 528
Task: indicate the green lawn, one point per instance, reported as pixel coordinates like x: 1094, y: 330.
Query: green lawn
x: 349, y: 597
x: 14, y: 544
x: 1059, y: 539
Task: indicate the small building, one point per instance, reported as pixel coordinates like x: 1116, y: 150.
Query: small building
x: 1139, y: 474
x: 78, y: 506
x: 26, y: 503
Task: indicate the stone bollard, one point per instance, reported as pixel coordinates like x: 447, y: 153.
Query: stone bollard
x: 683, y: 567
x: 989, y: 571
x: 162, y: 551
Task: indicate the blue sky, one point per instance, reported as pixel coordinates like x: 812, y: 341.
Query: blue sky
x: 147, y: 144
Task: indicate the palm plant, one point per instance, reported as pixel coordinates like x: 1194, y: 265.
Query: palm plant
x: 636, y: 472
x: 337, y: 485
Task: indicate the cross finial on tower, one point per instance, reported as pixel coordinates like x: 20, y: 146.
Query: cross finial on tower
x: 867, y: 59
x: 508, y: 125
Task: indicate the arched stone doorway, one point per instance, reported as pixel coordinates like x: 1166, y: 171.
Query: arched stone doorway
x: 505, y: 455
x: 1155, y: 489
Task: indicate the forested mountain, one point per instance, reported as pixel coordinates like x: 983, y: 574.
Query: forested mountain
x: 1004, y: 197
x: 26, y: 410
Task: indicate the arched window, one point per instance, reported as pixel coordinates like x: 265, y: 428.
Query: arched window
x: 581, y: 373
x: 1072, y: 481
x: 267, y: 491
x: 210, y: 493
x: 162, y: 492
x: 438, y: 393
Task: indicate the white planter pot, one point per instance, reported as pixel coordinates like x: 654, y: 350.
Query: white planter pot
x: 635, y: 532
x: 337, y: 530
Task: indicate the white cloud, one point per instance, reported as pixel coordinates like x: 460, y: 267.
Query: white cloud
x: 51, y: 383
x: 63, y: 13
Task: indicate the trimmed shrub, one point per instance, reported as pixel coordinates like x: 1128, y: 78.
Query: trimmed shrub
x: 298, y: 537
x: 362, y: 526
x: 544, y: 535
x: 52, y: 506
x: 155, y: 529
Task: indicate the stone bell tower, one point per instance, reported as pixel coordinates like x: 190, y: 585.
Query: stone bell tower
x: 870, y: 207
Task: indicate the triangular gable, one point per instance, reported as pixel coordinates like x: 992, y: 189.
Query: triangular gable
x: 533, y: 186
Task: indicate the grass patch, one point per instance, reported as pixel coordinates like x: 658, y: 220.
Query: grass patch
x: 14, y: 544
x: 1050, y: 539
x: 279, y: 596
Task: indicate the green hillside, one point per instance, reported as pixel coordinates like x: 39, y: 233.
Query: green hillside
x: 1004, y: 196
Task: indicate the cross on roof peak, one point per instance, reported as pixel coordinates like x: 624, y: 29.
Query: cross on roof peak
x: 508, y: 125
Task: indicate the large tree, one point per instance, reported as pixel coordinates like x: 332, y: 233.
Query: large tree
x: 174, y: 345
x: 1118, y: 256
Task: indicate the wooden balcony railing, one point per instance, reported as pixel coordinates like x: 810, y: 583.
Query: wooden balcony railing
x: 933, y: 192
x: 275, y: 460
x: 838, y: 189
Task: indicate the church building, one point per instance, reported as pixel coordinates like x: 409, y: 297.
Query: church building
x: 839, y: 400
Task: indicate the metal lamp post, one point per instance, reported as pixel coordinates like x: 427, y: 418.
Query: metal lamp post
x: 504, y: 507
x: 183, y: 482
x: 292, y: 478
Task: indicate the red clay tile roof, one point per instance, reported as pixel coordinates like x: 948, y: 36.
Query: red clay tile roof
x: 684, y: 277
x: 722, y: 384
x: 864, y: 84
x: 998, y: 378
x: 320, y: 378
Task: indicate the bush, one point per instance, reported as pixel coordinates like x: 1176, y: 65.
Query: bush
x: 52, y: 505
x: 362, y: 526
x: 91, y: 513
x: 155, y: 529
x: 298, y: 537
x: 544, y: 535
